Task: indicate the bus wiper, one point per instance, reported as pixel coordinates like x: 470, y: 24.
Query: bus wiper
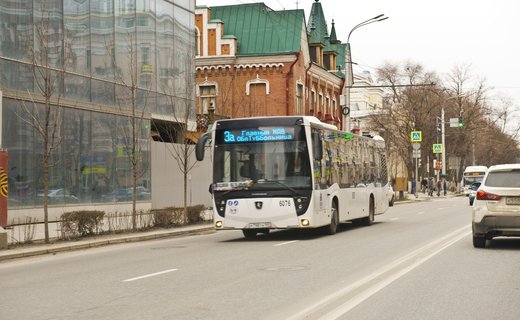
x: 280, y: 183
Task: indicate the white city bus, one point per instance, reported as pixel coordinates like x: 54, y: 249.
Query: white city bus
x: 471, y: 175
x: 293, y: 173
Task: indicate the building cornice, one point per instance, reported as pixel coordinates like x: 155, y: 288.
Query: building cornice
x: 322, y: 73
x: 233, y: 60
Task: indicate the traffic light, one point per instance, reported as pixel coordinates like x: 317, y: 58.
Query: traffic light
x: 439, y: 125
x: 460, y: 122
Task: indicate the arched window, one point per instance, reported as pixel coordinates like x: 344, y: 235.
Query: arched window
x: 197, y: 40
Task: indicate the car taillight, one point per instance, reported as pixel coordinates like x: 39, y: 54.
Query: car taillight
x: 482, y: 195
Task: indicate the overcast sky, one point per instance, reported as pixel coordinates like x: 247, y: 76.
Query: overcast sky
x: 437, y: 34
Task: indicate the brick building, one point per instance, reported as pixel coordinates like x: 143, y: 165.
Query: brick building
x: 255, y: 61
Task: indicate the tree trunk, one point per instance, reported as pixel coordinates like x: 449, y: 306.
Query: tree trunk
x: 185, y: 183
x: 46, y: 195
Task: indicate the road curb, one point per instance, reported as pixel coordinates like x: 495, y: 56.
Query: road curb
x: 23, y: 252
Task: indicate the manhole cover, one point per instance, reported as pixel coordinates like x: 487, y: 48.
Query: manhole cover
x: 289, y: 268
x: 170, y: 247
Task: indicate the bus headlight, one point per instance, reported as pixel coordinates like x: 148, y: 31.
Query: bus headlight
x: 301, y: 204
x: 221, y: 207
x: 218, y: 224
x: 305, y: 222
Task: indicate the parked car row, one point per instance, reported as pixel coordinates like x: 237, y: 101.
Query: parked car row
x: 125, y: 194
x: 61, y: 195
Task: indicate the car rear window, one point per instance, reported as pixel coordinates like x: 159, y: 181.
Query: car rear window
x: 507, y: 179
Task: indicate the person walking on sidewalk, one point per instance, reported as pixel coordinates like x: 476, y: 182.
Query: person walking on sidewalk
x: 439, y: 188
x: 430, y: 186
x: 444, y: 186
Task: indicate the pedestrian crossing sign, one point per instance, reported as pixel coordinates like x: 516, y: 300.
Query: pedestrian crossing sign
x: 437, y: 148
x: 416, y: 136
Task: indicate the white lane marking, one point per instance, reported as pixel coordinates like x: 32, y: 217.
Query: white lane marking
x: 150, y: 275
x: 420, y: 212
x: 440, y: 208
x: 379, y: 279
x: 393, y: 219
x: 284, y: 243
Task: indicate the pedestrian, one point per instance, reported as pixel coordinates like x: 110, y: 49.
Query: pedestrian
x: 413, y: 188
x: 444, y: 186
x: 439, y: 188
x: 424, y: 185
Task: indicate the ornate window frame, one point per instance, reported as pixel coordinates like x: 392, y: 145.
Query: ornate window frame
x: 257, y: 81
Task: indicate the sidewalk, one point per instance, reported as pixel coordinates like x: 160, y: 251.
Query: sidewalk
x: 409, y: 198
x: 39, y: 248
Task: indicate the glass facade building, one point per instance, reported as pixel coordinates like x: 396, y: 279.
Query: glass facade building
x: 110, y: 64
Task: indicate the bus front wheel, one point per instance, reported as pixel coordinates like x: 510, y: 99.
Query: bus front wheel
x: 370, y: 219
x: 249, y: 233
x: 332, y: 228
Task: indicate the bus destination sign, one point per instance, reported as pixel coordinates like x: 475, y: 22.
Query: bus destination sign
x: 262, y: 134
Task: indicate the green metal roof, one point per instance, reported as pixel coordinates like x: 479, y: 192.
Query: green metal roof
x: 317, y: 25
x: 318, y: 34
x: 260, y: 30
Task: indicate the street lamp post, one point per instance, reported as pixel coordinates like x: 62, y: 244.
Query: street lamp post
x: 348, y: 65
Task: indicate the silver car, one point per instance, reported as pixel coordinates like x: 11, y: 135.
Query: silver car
x: 496, y: 208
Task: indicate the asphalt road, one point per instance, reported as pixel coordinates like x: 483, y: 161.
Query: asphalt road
x: 416, y: 262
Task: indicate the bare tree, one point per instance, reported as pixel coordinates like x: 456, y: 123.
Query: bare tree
x: 460, y: 95
x: 181, y: 134
x: 42, y: 110
x: 406, y: 108
x: 132, y: 100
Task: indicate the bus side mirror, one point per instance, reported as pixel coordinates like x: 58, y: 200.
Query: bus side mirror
x: 199, y: 148
x: 317, y: 148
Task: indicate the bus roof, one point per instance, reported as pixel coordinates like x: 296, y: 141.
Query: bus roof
x: 476, y: 169
x: 307, y: 120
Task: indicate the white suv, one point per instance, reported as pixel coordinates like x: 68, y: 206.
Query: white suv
x: 496, y: 208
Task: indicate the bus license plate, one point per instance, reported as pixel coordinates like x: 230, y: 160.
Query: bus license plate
x: 255, y: 225
x: 513, y: 200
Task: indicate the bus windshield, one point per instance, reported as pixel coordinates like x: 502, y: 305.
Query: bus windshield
x: 265, y: 162
x: 468, y: 181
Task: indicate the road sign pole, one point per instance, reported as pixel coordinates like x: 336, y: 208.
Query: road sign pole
x: 443, y: 144
x: 416, y: 175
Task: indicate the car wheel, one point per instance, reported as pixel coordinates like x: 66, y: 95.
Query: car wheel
x: 391, y: 203
x: 479, y: 242
x: 470, y: 202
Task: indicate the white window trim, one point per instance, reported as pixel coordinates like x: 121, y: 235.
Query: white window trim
x: 257, y: 81
x: 207, y: 83
x: 300, y: 83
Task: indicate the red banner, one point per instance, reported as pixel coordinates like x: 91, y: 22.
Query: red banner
x: 3, y: 188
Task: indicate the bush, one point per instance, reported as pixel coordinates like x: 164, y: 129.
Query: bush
x: 196, y: 214
x: 81, y: 223
x: 174, y: 216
